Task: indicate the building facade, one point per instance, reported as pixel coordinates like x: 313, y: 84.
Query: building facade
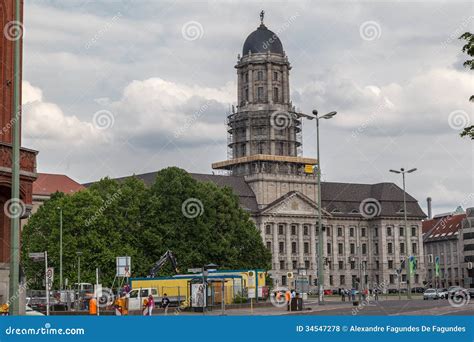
x: 467, y: 238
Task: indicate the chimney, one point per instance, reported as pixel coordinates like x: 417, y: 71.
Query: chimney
x: 428, y: 201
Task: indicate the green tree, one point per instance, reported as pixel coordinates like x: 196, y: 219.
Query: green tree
x: 468, y: 48
x: 113, y: 218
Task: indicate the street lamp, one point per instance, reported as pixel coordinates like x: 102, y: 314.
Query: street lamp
x: 407, y: 239
x: 320, y: 227
x: 60, y: 248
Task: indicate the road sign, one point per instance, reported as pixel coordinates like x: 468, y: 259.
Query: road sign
x: 50, y: 277
x: 124, y: 266
x: 251, y: 279
x: 308, y: 168
x: 251, y: 292
x: 36, y: 256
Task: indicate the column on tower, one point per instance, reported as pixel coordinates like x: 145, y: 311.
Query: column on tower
x: 285, y: 85
x: 250, y: 83
x: 269, y: 83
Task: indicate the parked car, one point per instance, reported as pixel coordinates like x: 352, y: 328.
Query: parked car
x: 442, y: 293
x: 454, y: 290
x: 30, y: 312
x: 430, y: 294
x: 418, y: 290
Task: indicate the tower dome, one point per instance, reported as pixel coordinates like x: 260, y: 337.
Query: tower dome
x: 262, y: 40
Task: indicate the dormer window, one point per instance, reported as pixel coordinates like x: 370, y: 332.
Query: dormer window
x: 354, y: 211
x: 336, y: 211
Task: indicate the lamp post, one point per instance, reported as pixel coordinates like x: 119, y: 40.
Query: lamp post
x: 319, y: 225
x: 407, y: 238
x: 15, y: 194
x: 60, y: 248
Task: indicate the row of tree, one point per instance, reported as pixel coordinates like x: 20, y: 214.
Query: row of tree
x: 199, y: 221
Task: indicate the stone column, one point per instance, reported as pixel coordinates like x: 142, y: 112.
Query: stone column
x: 300, y: 245
x: 276, y: 247
x: 285, y: 86
x: 269, y: 83
x: 312, y: 246
x: 288, y: 246
x: 250, y: 84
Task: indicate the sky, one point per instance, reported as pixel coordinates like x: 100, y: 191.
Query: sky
x: 114, y: 88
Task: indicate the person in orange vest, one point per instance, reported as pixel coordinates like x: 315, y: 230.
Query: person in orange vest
x: 92, y: 306
x: 288, y: 300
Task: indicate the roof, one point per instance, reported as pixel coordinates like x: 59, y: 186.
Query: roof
x: 262, y: 40
x: 345, y: 199
x: 49, y: 183
x: 238, y: 185
x: 442, y: 227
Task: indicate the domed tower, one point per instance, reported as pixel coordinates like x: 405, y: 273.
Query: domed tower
x: 264, y: 133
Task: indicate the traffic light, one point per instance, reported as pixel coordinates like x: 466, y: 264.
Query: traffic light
x: 315, y: 282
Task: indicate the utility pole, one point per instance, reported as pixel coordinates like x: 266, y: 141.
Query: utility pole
x: 60, y: 248
x: 15, y: 195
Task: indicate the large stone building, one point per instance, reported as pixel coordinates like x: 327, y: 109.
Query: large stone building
x: 364, y: 237
x: 467, y: 239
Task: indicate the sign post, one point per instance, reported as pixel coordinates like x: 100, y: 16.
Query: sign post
x: 46, y: 281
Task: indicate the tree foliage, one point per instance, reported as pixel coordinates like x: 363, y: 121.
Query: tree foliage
x: 468, y: 48
x: 112, y: 219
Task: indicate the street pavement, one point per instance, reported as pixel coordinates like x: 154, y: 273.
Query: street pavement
x: 383, y: 307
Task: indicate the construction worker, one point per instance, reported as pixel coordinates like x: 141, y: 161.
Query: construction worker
x: 92, y: 306
x: 288, y: 300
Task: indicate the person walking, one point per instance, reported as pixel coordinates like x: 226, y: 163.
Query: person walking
x: 288, y: 300
x: 92, y: 306
x: 165, y: 303
x: 343, y: 295
x: 150, y: 305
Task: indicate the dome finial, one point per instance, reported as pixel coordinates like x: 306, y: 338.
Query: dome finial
x: 262, y: 14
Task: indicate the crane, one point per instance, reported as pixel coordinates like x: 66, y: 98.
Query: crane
x: 168, y: 256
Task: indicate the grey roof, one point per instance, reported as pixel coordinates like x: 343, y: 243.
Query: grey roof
x: 237, y: 184
x: 262, y: 40
x: 345, y: 198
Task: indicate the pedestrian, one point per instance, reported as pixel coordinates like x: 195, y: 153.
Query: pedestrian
x: 150, y: 305
x: 343, y: 295
x: 92, y: 306
x: 165, y: 303
x: 376, y: 295
x: 288, y: 299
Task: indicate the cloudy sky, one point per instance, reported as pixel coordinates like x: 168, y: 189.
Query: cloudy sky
x: 121, y: 87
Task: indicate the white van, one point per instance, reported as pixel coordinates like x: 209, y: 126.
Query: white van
x: 136, y: 297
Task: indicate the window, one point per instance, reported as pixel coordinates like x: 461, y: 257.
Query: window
x: 376, y: 248
x: 306, y: 247
x: 268, y: 229
x: 389, y: 248
x: 413, y: 231
x: 377, y: 265
x: 354, y: 280
x: 402, y: 230
x: 364, y: 248
x: 282, y: 264
x: 260, y: 93
x: 260, y: 147
x: 260, y: 76
x: 342, y: 280
x: 353, y: 265
x: 269, y: 245
x: 293, y: 247
x: 339, y: 231
x: 402, y: 248
x: 281, y: 247
x: 294, y: 265
x: 413, y: 248
x: 280, y: 229
x: 331, y: 280
x: 293, y: 230
x: 329, y: 248
x: 279, y: 147
x: 306, y: 264
x: 392, y: 279
x: 283, y: 280
x: 328, y: 231
x: 246, y: 77
x: 390, y: 264
x: 341, y: 264
x: 275, y: 76
x: 275, y: 95
x: 362, y: 232
x: 340, y: 248
x: 389, y: 231
x: 353, y: 248
x: 351, y: 232
x: 305, y: 230
x: 376, y: 231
